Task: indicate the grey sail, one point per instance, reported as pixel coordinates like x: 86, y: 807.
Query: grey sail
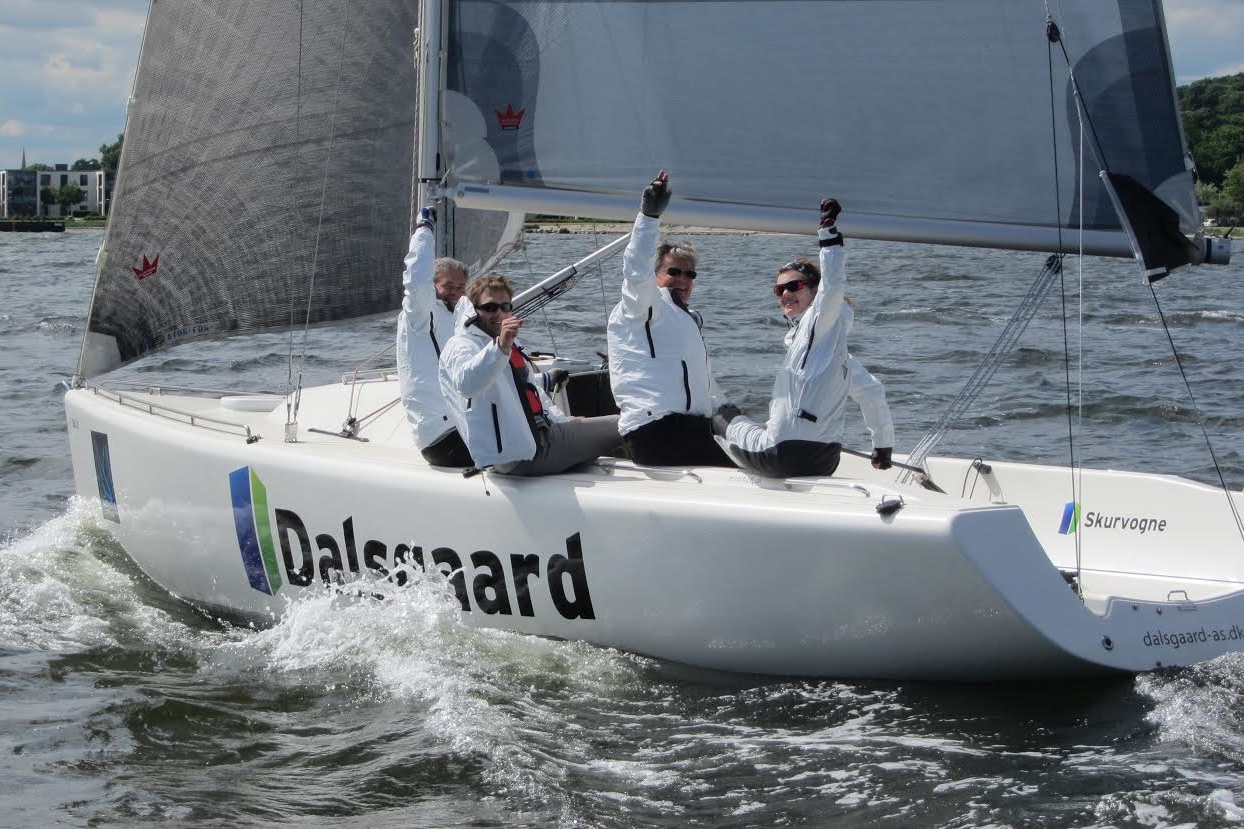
x: 935, y: 121
x: 265, y: 177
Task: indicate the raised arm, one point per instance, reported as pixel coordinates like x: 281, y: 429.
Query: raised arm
x: 417, y: 278
x: 639, y: 280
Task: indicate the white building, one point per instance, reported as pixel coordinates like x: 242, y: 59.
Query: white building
x: 94, y: 184
x: 23, y: 192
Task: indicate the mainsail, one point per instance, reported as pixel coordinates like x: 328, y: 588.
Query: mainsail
x: 266, y: 175
x: 944, y: 120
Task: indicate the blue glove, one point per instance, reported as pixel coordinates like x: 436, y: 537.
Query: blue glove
x: 427, y: 218
x: 554, y: 378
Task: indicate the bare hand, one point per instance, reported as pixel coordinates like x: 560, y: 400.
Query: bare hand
x: 508, y: 331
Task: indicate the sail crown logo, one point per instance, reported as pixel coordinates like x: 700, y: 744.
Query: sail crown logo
x: 148, y: 267
x: 510, y: 120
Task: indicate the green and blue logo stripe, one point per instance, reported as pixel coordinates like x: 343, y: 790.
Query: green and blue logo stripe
x: 250, y: 518
x: 1071, y: 518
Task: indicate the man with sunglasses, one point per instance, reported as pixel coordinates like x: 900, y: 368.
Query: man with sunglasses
x: 658, y: 363
x: 803, y: 435
x: 425, y: 323
x: 497, y: 397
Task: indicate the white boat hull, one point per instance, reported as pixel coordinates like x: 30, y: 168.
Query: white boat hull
x: 708, y: 567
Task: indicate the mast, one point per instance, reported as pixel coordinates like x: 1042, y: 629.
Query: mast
x: 429, y: 50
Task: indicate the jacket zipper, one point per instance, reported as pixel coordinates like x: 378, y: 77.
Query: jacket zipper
x: 432, y: 333
x: 686, y: 383
x: 652, y: 348
x: 496, y: 426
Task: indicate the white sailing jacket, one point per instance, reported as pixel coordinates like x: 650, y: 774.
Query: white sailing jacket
x: 868, y: 392
x: 817, y: 375
x: 478, y: 386
x: 424, y: 325
x: 658, y: 364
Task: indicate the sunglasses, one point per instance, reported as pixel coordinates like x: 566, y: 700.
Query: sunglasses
x: 792, y: 286
x: 494, y: 307
x: 681, y: 272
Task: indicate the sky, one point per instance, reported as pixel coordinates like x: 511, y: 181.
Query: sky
x: 67, y: 67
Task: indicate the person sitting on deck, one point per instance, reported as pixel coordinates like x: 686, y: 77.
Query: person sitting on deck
x: 803, y: 435
x: 426, y: 321
x: 497, y: 399
x: 658, y: 363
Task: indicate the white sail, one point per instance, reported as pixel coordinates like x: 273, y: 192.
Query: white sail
x: 952, y: 121
x: 265, y: 180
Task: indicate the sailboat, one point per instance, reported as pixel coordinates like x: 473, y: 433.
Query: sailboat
x: 273, y: 152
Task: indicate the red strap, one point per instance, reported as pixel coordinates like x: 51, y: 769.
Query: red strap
x: 531, y: 399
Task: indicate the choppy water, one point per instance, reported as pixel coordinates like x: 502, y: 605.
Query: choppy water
x: 121, y: 707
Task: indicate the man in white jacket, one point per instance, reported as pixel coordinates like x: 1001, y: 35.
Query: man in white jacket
x: 426, y: 322
x: 803, y: 435
x: 658, y: 363
x: 497, y: 399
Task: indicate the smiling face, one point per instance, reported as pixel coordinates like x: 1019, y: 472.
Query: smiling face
x: 450, y: 284
x: 794, y: 293
x: 679, y: 282
x: 490, y: 315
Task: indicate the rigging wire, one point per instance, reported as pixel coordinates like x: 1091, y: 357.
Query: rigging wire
x: 289, y: 362
x: 1001, y: 348
x: 319, y: 224
x: 1052, y: 36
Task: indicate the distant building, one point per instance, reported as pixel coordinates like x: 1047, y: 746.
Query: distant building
x: 19, y: 193
x: 22, y: 191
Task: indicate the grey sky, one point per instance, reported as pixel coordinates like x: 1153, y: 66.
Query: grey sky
x: 68, y: 65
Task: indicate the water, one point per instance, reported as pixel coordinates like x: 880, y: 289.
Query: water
x: 122, y: 707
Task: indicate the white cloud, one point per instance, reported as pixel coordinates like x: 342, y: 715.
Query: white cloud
x: 68, y: 66
x: 1206, y: 37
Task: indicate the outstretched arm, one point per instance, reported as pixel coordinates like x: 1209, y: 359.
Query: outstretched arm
x: 639, y: 281
x: 417, y: 278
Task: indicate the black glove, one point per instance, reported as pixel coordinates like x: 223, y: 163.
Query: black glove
x: 725, y: 413
x: 554, y: 378
x: 427, y: 218
x: 827, y: 234
x: 881, y: 457
x: 656, y: 196
x: 830, y: 208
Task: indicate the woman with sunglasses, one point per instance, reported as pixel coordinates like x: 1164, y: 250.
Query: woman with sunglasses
x: 497, y: 399
x: 658, y: 363
x: 803, y: 435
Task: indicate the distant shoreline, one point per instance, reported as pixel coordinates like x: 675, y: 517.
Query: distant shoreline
x: 618, y: 228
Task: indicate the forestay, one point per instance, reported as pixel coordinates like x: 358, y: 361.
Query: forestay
x: 933, y: 120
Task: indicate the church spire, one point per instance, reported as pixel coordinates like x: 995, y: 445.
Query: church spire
x: 23, y: 158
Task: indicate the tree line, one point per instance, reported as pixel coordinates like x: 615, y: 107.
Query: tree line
x: 1213, y: 115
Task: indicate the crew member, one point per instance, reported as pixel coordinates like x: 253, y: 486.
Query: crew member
x: 497, y: 398
x: 803, y: 435
x: 658, y: 363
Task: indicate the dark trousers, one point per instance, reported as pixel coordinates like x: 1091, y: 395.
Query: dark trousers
x: 449, y: 450
x: 792, y: 459
x: 676, y: 440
